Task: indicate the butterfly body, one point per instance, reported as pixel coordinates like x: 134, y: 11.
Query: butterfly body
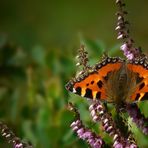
x: 113, y: 80
x: 120, y: 85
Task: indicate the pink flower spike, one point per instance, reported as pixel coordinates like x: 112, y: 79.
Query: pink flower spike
x: 124, y: 47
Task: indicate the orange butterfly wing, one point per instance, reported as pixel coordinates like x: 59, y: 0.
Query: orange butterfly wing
x: 141, y: 68
x: 91, y: 86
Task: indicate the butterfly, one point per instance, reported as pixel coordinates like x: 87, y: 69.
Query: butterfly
x: 113, y: 80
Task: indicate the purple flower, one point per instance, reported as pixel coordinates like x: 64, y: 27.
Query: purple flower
x: 126, y: 50
x: 118, y: 128
x: 118, y: 145
x: 20, y: 145
x: 123, y: 33
x: 87, y: 135
x: 132, y: 146
x: 12, y: 138
x: 97, y: 110
x: 84, y: 133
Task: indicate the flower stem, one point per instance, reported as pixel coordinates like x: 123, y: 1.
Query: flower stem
x: 84, y: 133
x: 130, y: 51
x: 12, y: 138
x: 99, y: 112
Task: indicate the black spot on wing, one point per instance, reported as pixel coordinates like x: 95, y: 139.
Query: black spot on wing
x: 139, y: 79
x: 137, y: 97
x: 92, y: 82
x: 88, y: 93
x: 98, y: 95
x: 78, y: 90
x: 106, y: 78
x: 141, y: 86
x: 100, y: 84
x: 87, y: 84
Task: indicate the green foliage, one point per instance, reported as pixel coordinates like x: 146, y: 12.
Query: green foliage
x: 33, y: 98
x: 38, y: 42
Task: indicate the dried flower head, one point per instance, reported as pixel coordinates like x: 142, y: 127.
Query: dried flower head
x: 12, y: 138
x: 83, y: 58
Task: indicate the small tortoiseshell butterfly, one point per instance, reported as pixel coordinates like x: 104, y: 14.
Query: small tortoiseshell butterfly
x: 113, y: 80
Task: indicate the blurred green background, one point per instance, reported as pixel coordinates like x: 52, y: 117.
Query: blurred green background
x: 38, y: 42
